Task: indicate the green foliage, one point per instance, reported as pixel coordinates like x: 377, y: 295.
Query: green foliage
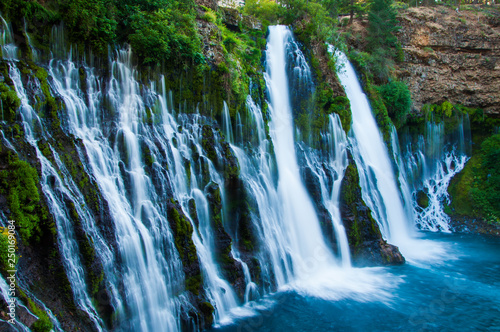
x: 382, y: 25
x: 19, y: 183
x: 10, y: 102
x: 32, y: 11
x: 397, y: 99
x: 49, y: 102
x: 382, y: 48
x: 268, y: 11
x: 168, y: 34
x: 4, y: 248
x: 209, y: 16
x: 476, y: 190
x: 43, y: 324
x: 90, y: 22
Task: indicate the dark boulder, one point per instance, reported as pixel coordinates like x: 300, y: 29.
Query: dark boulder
x: 365, y: 239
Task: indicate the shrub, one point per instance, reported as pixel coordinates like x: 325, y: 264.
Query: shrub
x: 397, y: 100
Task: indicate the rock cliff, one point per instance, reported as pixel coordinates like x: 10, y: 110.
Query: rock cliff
x: 451, y: 55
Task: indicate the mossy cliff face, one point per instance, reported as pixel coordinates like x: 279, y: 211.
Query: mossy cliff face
x: 40, y: 266
x: 240, y: 205
x: 365, y: 240
x: 230, y: 268
x: 182, y: 232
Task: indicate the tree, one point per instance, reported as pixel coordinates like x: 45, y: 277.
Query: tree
x: 382, y: 26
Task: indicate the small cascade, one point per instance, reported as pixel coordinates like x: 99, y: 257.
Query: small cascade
x: 239, y: 129
x: 251, y: 288
x: 226, y: 124
x: 149, y: 279
x: 336, y: 164
x: 35, y: 54
x: 218, y: 290
x: 7, y: 46
x: 257, y: 174
x: 430, y: 165
x: 404, y: 185
x: 378, y: 182
x: 14, y: 324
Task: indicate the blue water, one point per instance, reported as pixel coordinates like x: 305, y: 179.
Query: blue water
x: 459, y: 291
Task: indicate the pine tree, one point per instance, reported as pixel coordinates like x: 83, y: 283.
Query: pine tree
x: 382, y: 26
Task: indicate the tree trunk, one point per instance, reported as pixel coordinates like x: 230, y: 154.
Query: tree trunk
x: 351, y: 18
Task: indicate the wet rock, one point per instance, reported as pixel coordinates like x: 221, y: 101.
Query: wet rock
x: 230, y: 268
x: 313, y: 186
x: 212, y: 4
x: 422, y: 199
x: 232, y: 19
x: 365, y: 239
x: 390, y: 254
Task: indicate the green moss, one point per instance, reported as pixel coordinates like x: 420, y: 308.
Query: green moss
x: 183, y: 231
x: 147, y: 156
x: 193, y: 284
x: 207, y: 309
x: 422, y: 199
x: 19, y: 183
x: 43, y: 324
x: 49, y: 104
x: 475, y: 191
x: 208, y: 143
x: 5, y: 255
x: 9, y: 101
x: 360, y: 225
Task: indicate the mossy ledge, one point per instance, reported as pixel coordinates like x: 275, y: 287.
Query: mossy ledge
x: 183, y: 231
x: 365, y: 240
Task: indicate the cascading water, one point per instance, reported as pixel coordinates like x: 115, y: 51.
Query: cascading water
x: 186, y: 188
x: 380, y: 189
x: 7, y: 46
x: 148, y: 279
x: 56, y: 191
x: 226, y: 124
x: 301, y: 231
x: 336, y: 148
x: 140, y: 153
x: 430, y: 165
x: 378, y: 183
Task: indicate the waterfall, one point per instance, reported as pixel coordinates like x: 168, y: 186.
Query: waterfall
x: 218, y: 290
x: 226, y: 124
x: 335, y: 165
x: 257, y: 174
x: 429, y: 166
x: 56, y: 192
x: 143, y: 156
x: 7, y: 46
x: 35, y: 56
x: 144, y: 240
x: 378, y: 183
x: 5, y: 294
x: 300, y: 226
